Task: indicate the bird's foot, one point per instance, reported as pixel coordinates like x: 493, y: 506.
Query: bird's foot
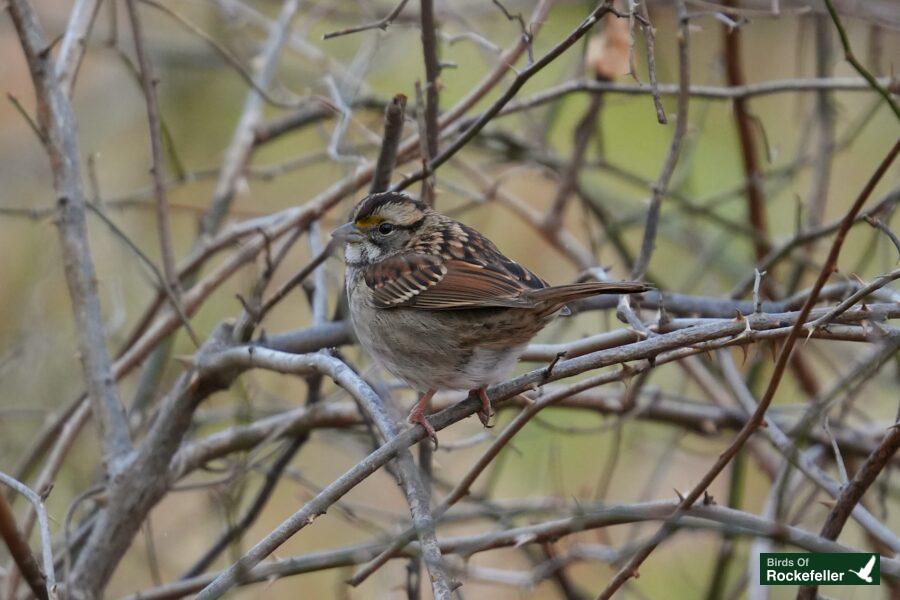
x: 486, y: 412
x: 417, y: 417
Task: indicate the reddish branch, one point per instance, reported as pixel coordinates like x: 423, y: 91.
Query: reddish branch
x: 20, y: 551
x: 394, y: 115
x: 756, y: 202
x: 853, y: 493
x: 756, y: 419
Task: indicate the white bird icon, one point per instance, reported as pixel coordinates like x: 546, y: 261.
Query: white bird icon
x: 866, y: 572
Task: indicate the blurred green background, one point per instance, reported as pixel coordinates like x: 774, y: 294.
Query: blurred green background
x: 201, y: 99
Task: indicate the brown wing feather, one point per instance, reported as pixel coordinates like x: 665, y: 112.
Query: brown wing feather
x: 428, y: 282
x: 398, y: 279
x: 467, y: 285
x: 451, y: 267
x: 455, y: 267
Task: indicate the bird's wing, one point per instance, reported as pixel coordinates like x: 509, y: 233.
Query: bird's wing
x: 867, y: 570
x: 442, y: 282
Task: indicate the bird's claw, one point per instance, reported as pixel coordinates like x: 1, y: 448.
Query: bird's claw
x: 417, y: 417
x: 486, y: 412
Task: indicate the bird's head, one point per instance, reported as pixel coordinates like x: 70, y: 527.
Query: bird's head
x: 380, y: 226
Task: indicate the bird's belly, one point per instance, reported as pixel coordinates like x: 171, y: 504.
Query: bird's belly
x: 446, y: 350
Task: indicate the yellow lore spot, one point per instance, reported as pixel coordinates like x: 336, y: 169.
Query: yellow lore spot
x: 369, y: 221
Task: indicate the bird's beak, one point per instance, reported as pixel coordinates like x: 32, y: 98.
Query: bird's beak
x: 348, y: 232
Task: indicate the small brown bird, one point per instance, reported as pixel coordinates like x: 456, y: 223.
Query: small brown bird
x: 436, y: 303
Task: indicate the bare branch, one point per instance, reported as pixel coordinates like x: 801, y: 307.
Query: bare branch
x: 630, y: 569
x: 381, y: 24
x: 58, y: 122
x: 157, y: 169
x: 851, y: 58
x: 394, y: 115
x: 49, y: 574
x: 520, y: 80
x: 852, y: 493
x: 74, y: 42
x: 668, y: 168
x: 21, y: 552
x: 583, y: 518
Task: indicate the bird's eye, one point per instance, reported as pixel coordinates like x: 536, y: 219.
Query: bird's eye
x: 385, y: 228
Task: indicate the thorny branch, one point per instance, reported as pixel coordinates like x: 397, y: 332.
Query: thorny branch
x: 756, y: 419
x: 487, y: 162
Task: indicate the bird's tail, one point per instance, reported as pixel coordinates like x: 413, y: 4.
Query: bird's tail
x: 562, y: 294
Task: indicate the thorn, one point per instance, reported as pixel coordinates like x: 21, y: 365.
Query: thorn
x: 708, y: 499
x: 738, y: 316
x: 549, y: 370
x: 188, y: 360
x: 809, y: 334
x: 679, y: 494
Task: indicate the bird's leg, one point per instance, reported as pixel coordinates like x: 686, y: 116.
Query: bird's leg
x: 486, y: 412
x: 417, y: 415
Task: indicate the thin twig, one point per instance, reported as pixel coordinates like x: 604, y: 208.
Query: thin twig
x: 668, y: 168
x: 851, y: 58
x: 862, y: 292
x: 158, y: 275
x: 394, y: 115
x: 238, y: 153
x: 381, y: 24
x: 58, y: 121
x: 376, y: 412
x: 853, y: 492
x: 581, y: 518
x: 259, y: 86
x: 650, y: 39
x: 630, y: 569
x: 273, y: 474
x: 520, y: 80
x: 74, y: 42
x: 782, y: 251
x: 706, y: 92
x: 157, y: 169
x: 37, y: 502
x: 879, y: 224
x: 21, y: 552
x: 808, y: 467
x: 432, y: 86
x: 526, y: 36
x: 756, y: 201
x: 31, y: 124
